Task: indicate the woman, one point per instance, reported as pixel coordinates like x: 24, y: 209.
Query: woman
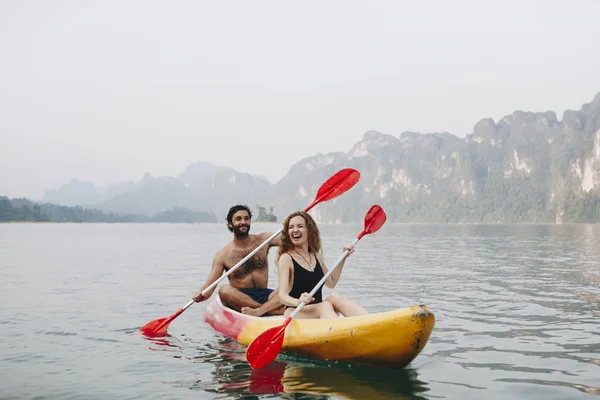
x: 301, y: 267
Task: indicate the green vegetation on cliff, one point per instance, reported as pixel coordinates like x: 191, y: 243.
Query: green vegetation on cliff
x: 23, y: 210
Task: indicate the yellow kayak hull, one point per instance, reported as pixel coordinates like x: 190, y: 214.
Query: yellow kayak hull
x: 387, y: 339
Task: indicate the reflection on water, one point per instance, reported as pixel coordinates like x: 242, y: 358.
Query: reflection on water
x: 517, y: 310
x: 517, y: 313
x: 290, y: 377
x: 163, y: 344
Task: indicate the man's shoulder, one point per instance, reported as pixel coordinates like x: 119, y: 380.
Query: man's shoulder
x: 274, y: 240
x: 262, y: 236
x: 222, y: 252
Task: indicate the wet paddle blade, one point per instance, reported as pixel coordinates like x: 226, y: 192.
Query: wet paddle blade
x: 159, y: 327
x: 341, y: 182
x: 265, y: 348
x: 155, y: 328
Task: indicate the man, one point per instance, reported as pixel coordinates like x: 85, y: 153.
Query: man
x: 247, y: 290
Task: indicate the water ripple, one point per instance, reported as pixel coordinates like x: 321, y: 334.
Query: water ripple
x: 517, y: 313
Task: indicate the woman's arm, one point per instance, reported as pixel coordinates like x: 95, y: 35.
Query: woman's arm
x: 284, y: 266
x: 335, y: 275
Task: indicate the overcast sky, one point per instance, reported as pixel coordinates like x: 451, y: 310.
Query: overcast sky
x: 104, y: 91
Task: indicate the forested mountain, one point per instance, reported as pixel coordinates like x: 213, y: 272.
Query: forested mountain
x: 526, y: 167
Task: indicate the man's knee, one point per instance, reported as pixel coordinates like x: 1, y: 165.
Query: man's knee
x: 225, y: 292
x: 274, y: 294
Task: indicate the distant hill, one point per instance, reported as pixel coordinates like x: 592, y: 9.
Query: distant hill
x: 74, y: 193
x: 526, y: 167
x: 23, y: 210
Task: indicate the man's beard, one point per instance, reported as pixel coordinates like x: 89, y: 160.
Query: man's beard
x: 239, y: 234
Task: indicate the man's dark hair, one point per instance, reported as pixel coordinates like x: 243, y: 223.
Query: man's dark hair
x: 235, y: 209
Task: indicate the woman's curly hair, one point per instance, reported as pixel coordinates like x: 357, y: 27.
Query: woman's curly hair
x: 314, y: 236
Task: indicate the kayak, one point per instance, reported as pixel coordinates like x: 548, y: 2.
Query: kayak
x: 387, y: 339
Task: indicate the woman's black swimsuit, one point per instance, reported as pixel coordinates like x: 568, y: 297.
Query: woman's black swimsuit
x: 305, y: 281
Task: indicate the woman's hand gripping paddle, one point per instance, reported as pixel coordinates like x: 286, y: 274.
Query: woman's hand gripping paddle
x: 338, y: 184
x: 266, y: 346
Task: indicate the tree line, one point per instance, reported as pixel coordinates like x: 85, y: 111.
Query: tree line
x: 23, y: 210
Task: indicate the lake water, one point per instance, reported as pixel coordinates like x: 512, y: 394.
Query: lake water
x: 517, y: 313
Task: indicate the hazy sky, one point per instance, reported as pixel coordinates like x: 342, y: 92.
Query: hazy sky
x: 104, y: 91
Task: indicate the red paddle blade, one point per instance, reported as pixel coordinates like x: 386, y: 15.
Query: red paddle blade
x: 339, y: 183
x: 374, y: 220
x: 266, y: 346
x: 158, y: 327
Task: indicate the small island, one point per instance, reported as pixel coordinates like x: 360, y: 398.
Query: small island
x: 264, y: 216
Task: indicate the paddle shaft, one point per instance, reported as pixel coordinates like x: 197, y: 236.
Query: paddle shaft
x: 324, y: 278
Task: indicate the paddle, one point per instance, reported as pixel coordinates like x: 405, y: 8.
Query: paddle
x: 266, y: 346
x: 338, y: 184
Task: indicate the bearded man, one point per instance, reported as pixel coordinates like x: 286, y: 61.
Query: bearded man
x: 247, y: 291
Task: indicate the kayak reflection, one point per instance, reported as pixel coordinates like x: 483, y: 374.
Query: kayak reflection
x: 234, y: 376
x: 166, y: 343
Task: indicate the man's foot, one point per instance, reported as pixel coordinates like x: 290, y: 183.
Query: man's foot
x: 255, y: 312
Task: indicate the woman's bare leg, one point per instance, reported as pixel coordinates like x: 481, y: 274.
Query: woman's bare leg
x: 345, y: 306
x: 322, y: 310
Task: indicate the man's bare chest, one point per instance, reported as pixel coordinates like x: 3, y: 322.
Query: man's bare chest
x: 255, y: 263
